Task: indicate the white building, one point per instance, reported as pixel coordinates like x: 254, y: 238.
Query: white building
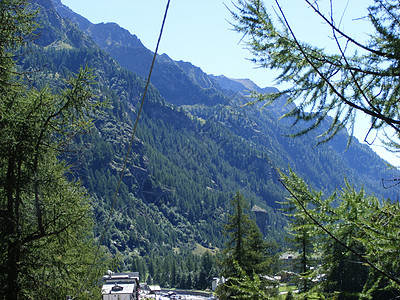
x: 121, y: 286
x: 216, y: 282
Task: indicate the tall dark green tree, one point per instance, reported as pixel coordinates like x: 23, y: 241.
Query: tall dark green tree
x: 206, y: 272
x: 246, y: 255
x: 46, y: 240
x: 238, y: 229
x: 238, y: 224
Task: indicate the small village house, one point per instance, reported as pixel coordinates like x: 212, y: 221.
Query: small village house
x: 121, y: 286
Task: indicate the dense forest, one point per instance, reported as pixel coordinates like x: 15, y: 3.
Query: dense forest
x: 195, y: 148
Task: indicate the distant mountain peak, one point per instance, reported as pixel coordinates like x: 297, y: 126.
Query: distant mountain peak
x: 65, y: 11
x: 248, y: 84
x: 112, y: 33
x: 243, y: 86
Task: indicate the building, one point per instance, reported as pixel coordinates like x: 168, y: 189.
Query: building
x: 154, y: 289
x: 121, y: 286
x: 216, y: 282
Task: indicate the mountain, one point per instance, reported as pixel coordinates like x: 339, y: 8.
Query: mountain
x: 185, y: 85
x: 196, y: 144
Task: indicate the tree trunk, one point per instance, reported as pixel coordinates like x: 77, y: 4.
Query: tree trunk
x: 12, y: 271
x: 11, y: 232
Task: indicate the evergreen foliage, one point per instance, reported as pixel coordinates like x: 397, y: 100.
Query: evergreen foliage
x: 302, y: 237
x: 185, y: 162
x: 46, y: 220
x: 246, y: 257
x: 362, y: 77
x: 16, y: 29
x: 357, y: 239
x: 244, y: 287
x: 355, y: 231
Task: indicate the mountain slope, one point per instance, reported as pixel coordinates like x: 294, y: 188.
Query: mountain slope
x: 170, y: 77
x: 173, y: 78
x: 196, y: 145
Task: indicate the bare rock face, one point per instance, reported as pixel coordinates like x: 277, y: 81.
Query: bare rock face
x: 261, y: 218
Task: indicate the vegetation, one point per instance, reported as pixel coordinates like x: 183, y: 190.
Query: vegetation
x: 246, y: 256
x: 302, y: 237
x: 185, y: 164
x: 46, y: 220
x: 361, y: 78
x: 183, y: 271
x: 354, y: 233
x: 177, y: 189
x: 356, y: 237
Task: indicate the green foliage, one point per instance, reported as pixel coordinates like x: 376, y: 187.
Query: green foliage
x: 16, y: 29
x: 245, y: 244
x: 185, y: 161
x: 246, y: 255
x: 357, y: 236
x: 238, y: 229
x: 46, y: 220
x: 363, y: 80
x: 184, y: 165
x: 244, y: 287
x: 183, y: 271
x: 355, y: 245
x: 302, y: 237
x: 289, y: 296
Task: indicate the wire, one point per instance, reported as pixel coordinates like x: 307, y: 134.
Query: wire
x: 136, y: 124
x: 130, y: 143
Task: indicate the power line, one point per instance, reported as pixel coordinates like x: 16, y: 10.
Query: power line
x: 136, y: 123
x: 130, y: 143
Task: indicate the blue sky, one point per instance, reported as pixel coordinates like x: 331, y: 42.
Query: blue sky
x: 198, y: 31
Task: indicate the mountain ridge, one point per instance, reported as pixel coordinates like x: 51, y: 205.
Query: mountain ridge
x: 196, y: 145
x: 189, y: 76
x: 205, y: 90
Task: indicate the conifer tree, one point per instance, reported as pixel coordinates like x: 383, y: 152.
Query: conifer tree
x: 302, y: 237
x: 246, y: 255
x: 358, y: 240
x: 238, y: 229
x: 337, y: 87
x: 360, y: 77
x: 46, y: 240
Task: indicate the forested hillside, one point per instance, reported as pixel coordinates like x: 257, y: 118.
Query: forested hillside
x: 196, y: 145
x: 219, y: 98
